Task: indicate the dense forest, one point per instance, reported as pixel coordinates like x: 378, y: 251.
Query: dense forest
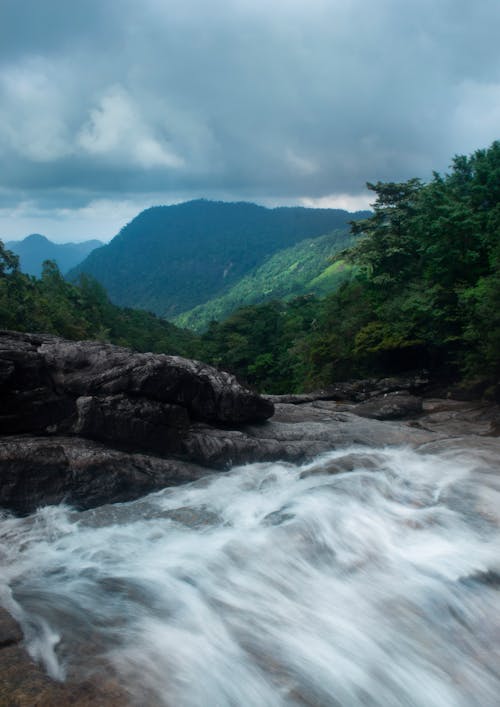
x: 425, y: 293
x: 170, y: 259
x: 305, y: 268
x: 422, y: 291
x: 52, y: 305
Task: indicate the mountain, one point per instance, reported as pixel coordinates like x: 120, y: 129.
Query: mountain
x: 305, y: 268
x: 34, y: 249
x: 171, y: 258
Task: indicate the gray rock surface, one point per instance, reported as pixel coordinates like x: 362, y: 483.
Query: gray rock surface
x: 24, y: 683
x: 359, y: 390
x: 155, y: 414
x: 42, y: 377
x: 390, y: 406
x: 37, y: 471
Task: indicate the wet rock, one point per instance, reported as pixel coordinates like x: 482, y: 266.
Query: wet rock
x: 74, y: 391
x: 93, y: 368
x: 10, y: 632
x: 293, y: 399
x: 132, y: 422
x: 43, y: 376
x: 222, y: 449
x: 337, y: 429
x: 390, y: 406
x: 359, y: 390
x: 192, y: 518
x: 37, y: 471
x: 349, y: 462
x: 24, y: 683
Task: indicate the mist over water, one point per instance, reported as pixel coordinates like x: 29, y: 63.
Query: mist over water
x: 275, y: 585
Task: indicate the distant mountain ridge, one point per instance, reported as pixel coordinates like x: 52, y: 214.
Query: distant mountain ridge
x: 170, y: 259
x: 34, y: 249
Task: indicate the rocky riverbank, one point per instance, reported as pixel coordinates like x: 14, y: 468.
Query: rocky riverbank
x: 89, y: 423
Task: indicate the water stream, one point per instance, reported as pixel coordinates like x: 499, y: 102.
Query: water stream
x: 276, y: 585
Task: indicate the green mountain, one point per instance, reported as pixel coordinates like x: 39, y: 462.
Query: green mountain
x: 424, y: 293
x: 34, y: 249
x: 305, y: 268
x: 171, y: 258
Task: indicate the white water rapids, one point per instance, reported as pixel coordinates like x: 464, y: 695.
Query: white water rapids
x: 269, y: 585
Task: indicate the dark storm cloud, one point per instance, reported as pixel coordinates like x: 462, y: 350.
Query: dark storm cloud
x: 286, y: 100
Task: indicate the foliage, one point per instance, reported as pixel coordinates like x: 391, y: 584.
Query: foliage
x: 305, y: 268
x: 52, y: 305
x: 424, y: 292
x: 259, y: 343
x: 170, y: 259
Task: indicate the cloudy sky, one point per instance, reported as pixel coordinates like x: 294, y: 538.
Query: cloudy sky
x: 110, y: 106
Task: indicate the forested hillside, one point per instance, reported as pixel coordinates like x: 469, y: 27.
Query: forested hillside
x: 171, y: 258
x: 35, y: 249
x: 425, y: 292
x: 305, y: 268
x: 52, y: 305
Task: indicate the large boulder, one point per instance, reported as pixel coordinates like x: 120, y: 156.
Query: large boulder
x: 58, y: 395
x: 390, y: 406
x: 53, y: 386
x: 93, y: 368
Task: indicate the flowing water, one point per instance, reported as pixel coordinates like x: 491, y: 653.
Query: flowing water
x: 274, y: 584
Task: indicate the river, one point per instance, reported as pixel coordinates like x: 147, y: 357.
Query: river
x: 276, y: 584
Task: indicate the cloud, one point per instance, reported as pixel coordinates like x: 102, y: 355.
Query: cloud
x: 100, y: 218
x: 33, y: 126
x: 116, y: 131
x: 349, y: 202
x: 290, y: 101
x: 477, y: 111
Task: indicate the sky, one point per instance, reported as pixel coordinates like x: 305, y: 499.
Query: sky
x: 110, y: 106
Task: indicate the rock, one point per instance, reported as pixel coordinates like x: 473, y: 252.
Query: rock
x: 93, y: 368
x: 334, y: 430
x: 391, y: 406
x: 49, y: 374
x: 221, y: 449
x: 359, y: 390
x: 102, y: 424
x: 349, y: 462
x: 132, y: 422
x: 24, y: 683
x: 36, y: 471
x: 60, y: 394
x: 10, y: 631
x: 293, y: 399
x: 456, y: 418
